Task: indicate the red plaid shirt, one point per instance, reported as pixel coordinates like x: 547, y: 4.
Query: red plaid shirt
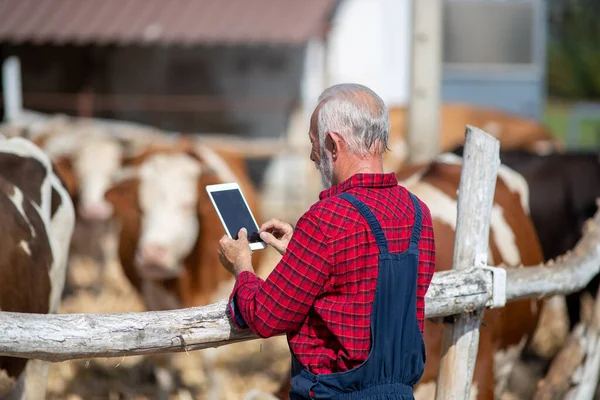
x: 321, y: 292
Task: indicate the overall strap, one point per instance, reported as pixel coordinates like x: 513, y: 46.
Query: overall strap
x: 416, y: 233
x: 371, y: 220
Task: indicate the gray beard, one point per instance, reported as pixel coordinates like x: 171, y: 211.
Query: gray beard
x: 326, y: 170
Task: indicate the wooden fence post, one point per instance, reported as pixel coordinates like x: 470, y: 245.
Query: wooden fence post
x: 423, y: 125
x: 475, y: 198
x: 11, y: 82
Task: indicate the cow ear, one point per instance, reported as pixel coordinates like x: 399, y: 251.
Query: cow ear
x: 123, y: 194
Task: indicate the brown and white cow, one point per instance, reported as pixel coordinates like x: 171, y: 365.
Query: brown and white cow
x: 169, y: 229
x: 513, y: 242
x: 37, y: 224
x: 513, y: 131
x: 563, y: 189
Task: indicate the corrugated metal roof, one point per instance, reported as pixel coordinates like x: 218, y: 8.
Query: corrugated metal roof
x: 183, y: 22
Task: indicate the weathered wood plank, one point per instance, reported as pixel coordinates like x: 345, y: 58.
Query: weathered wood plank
x: 475, y: 198
x: 12, y: 94
x: 574, y: 372
x: 557, y: 381
x: 586, y: 379
x: 71, y: 336
x: 423, y: 124
x: 465, y: 290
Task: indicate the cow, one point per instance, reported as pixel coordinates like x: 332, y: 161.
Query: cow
x: 512, y: 242
x: 513, y: 131
x: 563, y: 188
x: 38, y: 219
x: 169, y: 229
x: 86, y: 154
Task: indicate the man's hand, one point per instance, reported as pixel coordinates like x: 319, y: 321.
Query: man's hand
x: 235, y: 255
x: 277, y: 234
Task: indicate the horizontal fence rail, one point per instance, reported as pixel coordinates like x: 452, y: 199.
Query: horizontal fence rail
x: 248, y: 147
x: 152, y: 102
x: 72, y: 336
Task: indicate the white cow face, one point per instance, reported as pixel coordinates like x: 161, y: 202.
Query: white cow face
x: 168, y: 197
x: 95, y: 161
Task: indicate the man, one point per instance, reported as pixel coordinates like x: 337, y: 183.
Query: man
x: 349, y: 289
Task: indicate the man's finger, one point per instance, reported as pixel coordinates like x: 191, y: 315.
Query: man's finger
x: 267, y: 225
x: 267, y: 237
x: 271, y: 224
x: 243, y: 234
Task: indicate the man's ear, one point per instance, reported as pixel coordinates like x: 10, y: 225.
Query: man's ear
x: 334, y: 143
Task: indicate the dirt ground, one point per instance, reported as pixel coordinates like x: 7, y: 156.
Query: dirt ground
x: 224, y: 373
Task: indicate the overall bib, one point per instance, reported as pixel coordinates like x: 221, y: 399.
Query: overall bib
x: 397, y: 357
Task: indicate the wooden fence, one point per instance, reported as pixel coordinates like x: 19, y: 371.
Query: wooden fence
x: 251, y: 148
x: 464, y: 292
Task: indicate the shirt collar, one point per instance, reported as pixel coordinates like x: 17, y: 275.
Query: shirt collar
x: 362, y: 181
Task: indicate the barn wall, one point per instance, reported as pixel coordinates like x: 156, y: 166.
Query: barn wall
x: 268, y: 74
x: 265, y: 73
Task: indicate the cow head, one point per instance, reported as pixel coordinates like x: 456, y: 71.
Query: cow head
x: 163, y: 187
x: 87, y: 155
x: 94, y: 163
x: 168, y: 198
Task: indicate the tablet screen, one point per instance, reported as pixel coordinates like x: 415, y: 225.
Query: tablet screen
x: 235, y: 213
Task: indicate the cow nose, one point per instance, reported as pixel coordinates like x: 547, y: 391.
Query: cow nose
x: 153, y: 254
x: 153, y: 262
x: 96, y: 211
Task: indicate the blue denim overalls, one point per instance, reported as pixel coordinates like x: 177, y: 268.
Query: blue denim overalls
x: 397, y: 358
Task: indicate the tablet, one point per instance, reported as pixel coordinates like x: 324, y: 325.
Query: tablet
x: 233, y: 210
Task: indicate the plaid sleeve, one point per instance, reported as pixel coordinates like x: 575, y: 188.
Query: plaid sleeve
x: 281, y: 302
x: 250, y: 282
x: 426, y: 262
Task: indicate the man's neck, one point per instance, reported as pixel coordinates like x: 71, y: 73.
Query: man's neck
x: 358, y: 166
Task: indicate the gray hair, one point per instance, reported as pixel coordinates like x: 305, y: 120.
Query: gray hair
x: 358, y: 114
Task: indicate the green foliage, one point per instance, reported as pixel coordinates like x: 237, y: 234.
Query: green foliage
x: 574, y: 49
x: 556, y: 117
